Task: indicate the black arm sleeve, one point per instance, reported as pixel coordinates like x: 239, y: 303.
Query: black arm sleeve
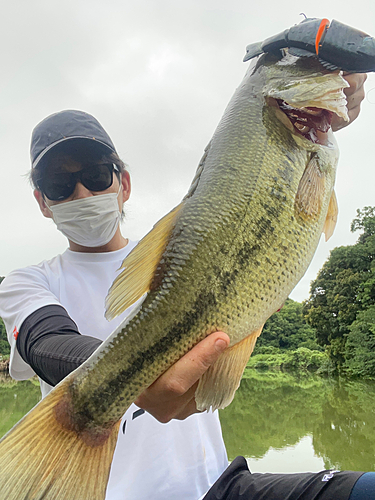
x: 49, y: 341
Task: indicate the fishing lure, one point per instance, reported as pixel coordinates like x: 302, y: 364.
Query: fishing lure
x: 337, y: 45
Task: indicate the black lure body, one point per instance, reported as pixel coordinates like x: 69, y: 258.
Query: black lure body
x: 337, y: 45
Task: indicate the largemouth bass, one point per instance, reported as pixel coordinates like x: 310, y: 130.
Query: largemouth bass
x: 225, y: 259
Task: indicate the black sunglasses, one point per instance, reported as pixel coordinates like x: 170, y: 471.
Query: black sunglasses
x: 58, y: 185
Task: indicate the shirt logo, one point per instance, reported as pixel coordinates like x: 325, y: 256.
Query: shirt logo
x: 15, y: 333
x: 329, y: 476
x: 136, y: 414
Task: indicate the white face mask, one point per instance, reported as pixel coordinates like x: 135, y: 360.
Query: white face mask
x: 90, y: 222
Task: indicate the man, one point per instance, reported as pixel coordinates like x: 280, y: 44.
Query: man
x: 58, y: 309
x: 54, y: 312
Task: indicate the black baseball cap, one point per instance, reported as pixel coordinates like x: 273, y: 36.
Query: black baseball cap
x: 63, y: 126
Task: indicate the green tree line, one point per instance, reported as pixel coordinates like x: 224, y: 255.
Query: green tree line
x: 289, y: 343
x: 341, y: 306
x: 287, y: 329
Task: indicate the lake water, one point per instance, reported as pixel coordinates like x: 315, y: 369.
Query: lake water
x: 283, y: 423
x: 279, y: 422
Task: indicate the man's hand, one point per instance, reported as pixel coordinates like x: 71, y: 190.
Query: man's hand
x: 173, y: 394
x: 354, y: 95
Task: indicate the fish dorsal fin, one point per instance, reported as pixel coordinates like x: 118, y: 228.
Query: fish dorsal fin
x: 310, y: 193
x: 198, y: 173
x: 331, y: 219
x: 139, y: 267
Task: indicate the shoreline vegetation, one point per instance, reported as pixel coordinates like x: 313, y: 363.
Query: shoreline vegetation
x: 301, y: 360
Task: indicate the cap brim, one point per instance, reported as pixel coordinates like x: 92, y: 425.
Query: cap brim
x: 64, y: 139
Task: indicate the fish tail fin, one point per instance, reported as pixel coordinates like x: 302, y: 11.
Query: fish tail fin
x: 216, y: 388
x: 42, y: 460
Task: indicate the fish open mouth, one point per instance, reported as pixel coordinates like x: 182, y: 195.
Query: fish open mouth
x: 311, y: 123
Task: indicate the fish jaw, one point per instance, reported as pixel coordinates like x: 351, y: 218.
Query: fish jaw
x: 309, y: 127
x: 320, y: 91
x: 308, y: 102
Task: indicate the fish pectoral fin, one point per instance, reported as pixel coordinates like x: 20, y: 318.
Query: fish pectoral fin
x: 331, y: 219
x: 216, y: 388
x: 139, y: 267
x: 311, y: 191
x: 41, y: 459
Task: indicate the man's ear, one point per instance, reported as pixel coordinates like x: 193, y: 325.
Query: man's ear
x: 126, y: 185
x: 42, y: 204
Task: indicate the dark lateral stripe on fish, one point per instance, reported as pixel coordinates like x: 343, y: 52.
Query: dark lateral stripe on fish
x: 247, y: 254
x: 224, y: 285
x: 145, y: 358
x: 176, y: 333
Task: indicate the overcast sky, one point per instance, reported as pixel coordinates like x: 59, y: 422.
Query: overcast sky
x: 158, y: 76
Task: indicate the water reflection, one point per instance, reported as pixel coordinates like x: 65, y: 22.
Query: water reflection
x: 298, y: 458
x: 16, y: 399
x: 308, y: 423
x: 276, y: 410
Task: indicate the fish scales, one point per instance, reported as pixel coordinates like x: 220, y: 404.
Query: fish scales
x: 236, y: 251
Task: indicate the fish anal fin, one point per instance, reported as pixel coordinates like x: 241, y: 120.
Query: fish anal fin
x: 311, y: 191
x: 40, y: 459
x: 331, y: 219
x: 218, y: 385
x: 139, y: 267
